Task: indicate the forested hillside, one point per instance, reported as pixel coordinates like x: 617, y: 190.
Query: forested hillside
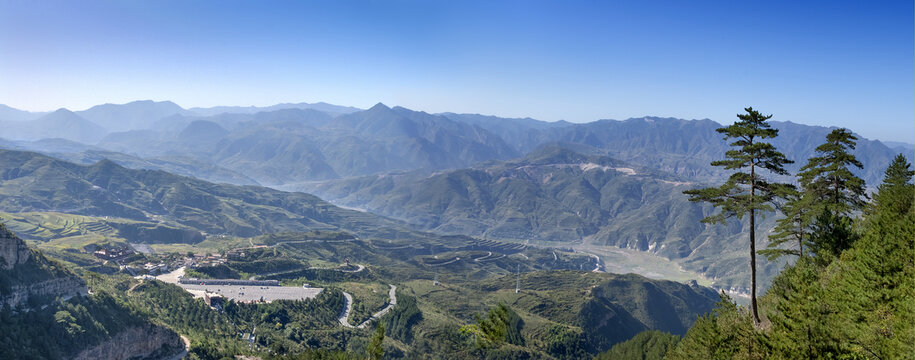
x: 855, y: 303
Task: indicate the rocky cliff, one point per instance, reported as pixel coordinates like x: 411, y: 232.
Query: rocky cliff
x: 13, y: 251
x: 142, y: 342
x: 43, y: 292
x: 27, y: 278
x: 88, y: 327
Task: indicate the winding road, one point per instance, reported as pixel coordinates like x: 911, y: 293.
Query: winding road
x: 445, y: 263
x: 348, y: 308
x: 488, y: 254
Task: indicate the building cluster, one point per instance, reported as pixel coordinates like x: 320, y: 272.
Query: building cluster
x: 113, y: 253
x: 204, y: 260
x: 165, y: 265
x: 242, y: 253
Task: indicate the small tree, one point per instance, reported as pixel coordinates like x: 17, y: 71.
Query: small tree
x: 375, y: 349
x: 491, y: 330
x: 746, y: 192
x: 895, y: 193
x: 792, y: 228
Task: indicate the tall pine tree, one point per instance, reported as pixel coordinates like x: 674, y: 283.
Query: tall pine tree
x: 833, y: 193
x: 746, y: 192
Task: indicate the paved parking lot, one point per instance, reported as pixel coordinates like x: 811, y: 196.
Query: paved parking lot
x: 255, y: 293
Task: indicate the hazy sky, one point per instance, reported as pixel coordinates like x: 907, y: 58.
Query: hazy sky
x: 832, y: 63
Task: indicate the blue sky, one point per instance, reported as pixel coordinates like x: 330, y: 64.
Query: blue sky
x: 832, y: 63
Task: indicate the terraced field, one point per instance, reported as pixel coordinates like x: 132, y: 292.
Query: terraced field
x: 52, y: 225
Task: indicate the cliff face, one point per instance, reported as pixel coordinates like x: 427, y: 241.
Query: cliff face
x: 29, y: 281
x: 65, y: 287
x: 28, y: 278
x: 13, y: 251
x: 142, y: 342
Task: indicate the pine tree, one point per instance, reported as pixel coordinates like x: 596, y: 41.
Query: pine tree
x: 746, y: 192
x: 895, y: 194
x: 792, y: 228
x: 834, y: 193
x: 489, y: 331
x: 827, y: 178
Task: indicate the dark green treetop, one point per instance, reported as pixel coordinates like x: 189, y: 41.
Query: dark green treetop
x: 828, y: 179
x: 744, y: 192
x: 895, y: 194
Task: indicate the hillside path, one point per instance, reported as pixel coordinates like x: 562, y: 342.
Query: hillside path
x: 347, y: 308
x: 344, y: 316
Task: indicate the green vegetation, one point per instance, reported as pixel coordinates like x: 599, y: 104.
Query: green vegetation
x: 846, y: 295
x: 64, y: 328
x: 745, y: 191
x: 76, y: 231
x: 45, y: 325
x: 375, y: 351
x: 35, y: 269
x: 492, y: 330
x: 281, y: 327
x: 402, y: 319
x: 848, y: 298
x: 37, y: 183
x: 647, y: 345
x: 827, y: 178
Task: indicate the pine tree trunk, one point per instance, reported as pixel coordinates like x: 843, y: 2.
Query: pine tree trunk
x: 800, y: 246
x: 753, y: 266
x: 753, y: 244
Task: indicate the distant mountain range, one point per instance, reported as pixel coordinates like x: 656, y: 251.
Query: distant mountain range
x: 34, y: 182
x: 320, y: 106
x: 293, y: 145
x: 88, y: 154
x: 682, y: 147
x: 556, y: 196
x: 289, y: 143
x: 92, y: 124
x: 62, y: 123
x: 448, y: 173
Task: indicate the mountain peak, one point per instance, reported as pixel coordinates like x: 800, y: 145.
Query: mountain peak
x: 107, y: 165
x: 380, y: 106
x: 63, y: 111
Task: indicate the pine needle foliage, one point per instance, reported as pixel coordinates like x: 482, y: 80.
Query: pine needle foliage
x: 746, y: 192
x: 828, y: 179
